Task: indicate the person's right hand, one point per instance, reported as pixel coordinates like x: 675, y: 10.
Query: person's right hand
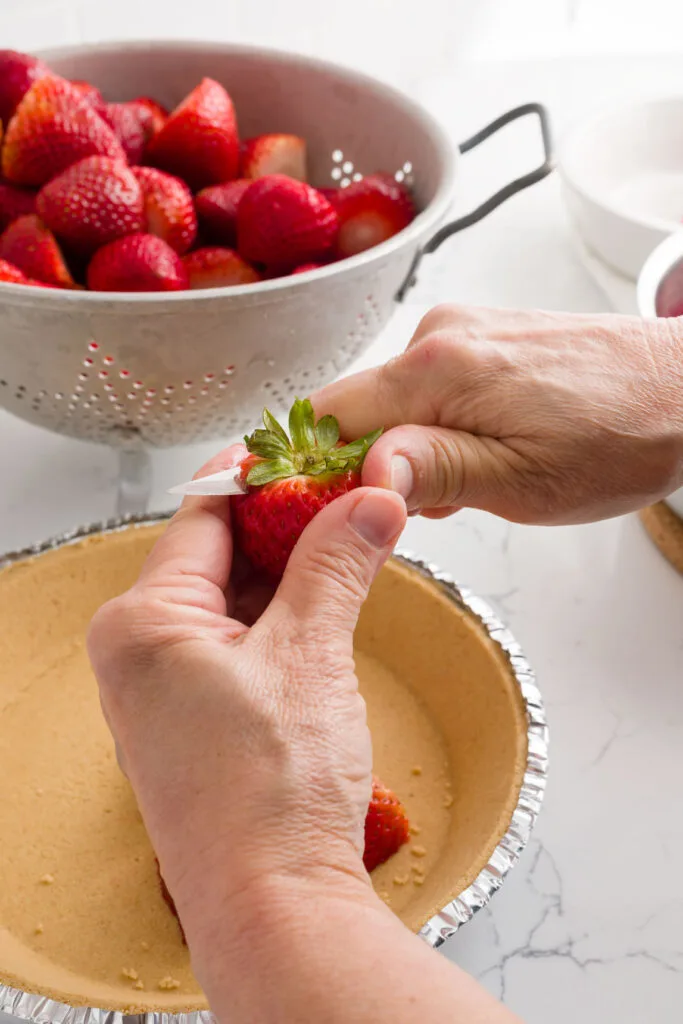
x: 537, y: 417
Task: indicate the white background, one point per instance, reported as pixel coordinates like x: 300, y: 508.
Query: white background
x: 589, y: 927
x: 384, y: 34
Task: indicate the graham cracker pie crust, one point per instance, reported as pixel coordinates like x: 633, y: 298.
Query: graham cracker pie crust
x: 82, y: 919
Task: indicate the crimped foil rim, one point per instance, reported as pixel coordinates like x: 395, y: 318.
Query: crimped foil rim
x: 41, y: 1010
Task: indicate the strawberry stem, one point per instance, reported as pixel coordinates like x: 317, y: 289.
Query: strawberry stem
x: 311, y: 448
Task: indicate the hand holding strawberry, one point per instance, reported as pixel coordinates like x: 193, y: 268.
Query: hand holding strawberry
x: 285, y: 763
x: 289, y: 480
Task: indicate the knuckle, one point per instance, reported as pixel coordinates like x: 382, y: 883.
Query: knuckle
x: 108, y: 626
x: 433, y: 349
x: 439, y: 476
x: 123, y: 632
x: 435, y: 319
x: 446, y: 316
x: 394, y: 390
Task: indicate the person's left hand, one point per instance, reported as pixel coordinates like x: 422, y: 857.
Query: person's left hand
x: 238, y: 717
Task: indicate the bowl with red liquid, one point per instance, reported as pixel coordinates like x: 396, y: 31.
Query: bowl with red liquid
x: 660, y: 294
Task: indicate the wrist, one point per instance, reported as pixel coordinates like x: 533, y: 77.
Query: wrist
x: 232, y: 876
x: 228, y: 925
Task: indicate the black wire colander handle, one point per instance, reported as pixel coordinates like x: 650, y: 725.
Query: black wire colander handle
x: 511, y: 189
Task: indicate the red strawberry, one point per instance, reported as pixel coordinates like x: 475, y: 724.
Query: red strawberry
x: 92, y: 203
x: 14, y: 202
x: 217, y: 210
x: 18, y: 72
x: 274, y: 154
x: 199, y: 142
x: 218, y: 268
x: 283, y: 223
x: 12, y: 274
x: 290, y: 481
x: 92, y: 95
x: 371, y: 211
x: 386, y: 826
x: 169, y: 208
x: 137, y: 263
x: 31, y: 247
x: 305, y: 267
x: 159, y: 113
x: 53, y: 128
x: 133, y: 126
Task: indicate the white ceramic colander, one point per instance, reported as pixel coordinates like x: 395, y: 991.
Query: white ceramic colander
x: 166, y: 369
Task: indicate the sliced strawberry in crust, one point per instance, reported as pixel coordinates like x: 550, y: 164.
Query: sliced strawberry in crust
x: 386, y: 826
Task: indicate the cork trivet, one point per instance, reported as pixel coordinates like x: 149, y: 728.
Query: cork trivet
x: 666, y: 530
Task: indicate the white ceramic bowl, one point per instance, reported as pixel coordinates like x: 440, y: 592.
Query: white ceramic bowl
x: 622, y: 177
x: 660, y: 293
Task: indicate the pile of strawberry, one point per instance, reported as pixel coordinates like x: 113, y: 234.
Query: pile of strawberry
x: 129, y: 197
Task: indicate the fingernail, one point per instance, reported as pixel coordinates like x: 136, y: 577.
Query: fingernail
x: 376, y: 518
x: 401, y: 476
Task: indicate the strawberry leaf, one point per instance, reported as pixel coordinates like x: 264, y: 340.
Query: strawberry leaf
x: 327, y: 433
x: 271, y: 424
x: 265, y: 472
x: 356, y: 450
x: 302, y: 425
x: 268, y: 445
x: 312, y: 451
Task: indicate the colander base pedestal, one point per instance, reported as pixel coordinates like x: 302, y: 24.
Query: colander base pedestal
x: 135, y: 481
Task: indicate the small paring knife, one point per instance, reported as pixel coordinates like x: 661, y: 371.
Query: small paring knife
x: 227, y: 481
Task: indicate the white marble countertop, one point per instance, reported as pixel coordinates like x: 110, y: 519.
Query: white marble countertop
x: 589, y: 927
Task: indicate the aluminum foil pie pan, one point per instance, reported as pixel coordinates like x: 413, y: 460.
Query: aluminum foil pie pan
x: 443, y: 924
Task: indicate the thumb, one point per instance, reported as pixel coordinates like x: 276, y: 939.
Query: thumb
x: 333, y: 565
x: 436, y: 468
